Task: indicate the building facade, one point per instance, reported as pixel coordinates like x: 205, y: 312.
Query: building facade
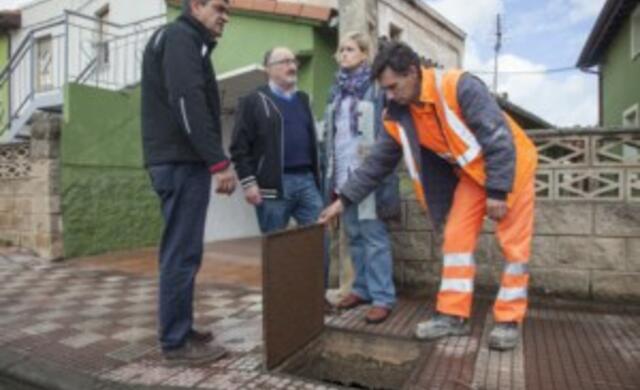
x: 613, y: 50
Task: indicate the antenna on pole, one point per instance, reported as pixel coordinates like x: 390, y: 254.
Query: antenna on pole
x: 497, y: 48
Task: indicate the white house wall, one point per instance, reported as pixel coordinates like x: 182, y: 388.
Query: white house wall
x: 422, y: 31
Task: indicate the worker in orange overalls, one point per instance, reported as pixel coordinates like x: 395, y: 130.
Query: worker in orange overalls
x: 467, y: 160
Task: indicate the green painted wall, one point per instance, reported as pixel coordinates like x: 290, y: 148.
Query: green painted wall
x: 621, y: 77
x: 324, y: 67
x: 248, y: 36
x: 107, y: 199
x: 4, y: 90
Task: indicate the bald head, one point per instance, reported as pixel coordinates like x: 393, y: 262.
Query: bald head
x: 281, y: 66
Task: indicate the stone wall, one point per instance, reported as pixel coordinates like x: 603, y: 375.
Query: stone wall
x: 30, y: 215
x: 587, y: 231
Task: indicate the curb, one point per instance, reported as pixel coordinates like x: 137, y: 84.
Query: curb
x: 43, y: 374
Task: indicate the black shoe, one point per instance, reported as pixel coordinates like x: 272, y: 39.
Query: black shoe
x: 194, y: 353
x: 198, y: 336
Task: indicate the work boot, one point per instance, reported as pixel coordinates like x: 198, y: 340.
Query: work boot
x: 200, y: 336
x: 504, y: 336
x: 194, y: 353
x: 441, y: 325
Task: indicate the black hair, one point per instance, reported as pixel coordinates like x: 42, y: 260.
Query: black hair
x: 396, y: 56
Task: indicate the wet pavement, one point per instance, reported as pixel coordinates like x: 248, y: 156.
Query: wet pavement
x: 95, y: 318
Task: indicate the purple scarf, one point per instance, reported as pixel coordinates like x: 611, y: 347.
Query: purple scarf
x: 353, y: 84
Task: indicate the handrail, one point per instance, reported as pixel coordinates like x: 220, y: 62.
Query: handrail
x: 27, y: 40
x: 75, y: 55
x: 113, y: 24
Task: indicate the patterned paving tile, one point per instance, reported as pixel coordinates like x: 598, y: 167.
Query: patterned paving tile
x: 42, y: 328
x: 82, y: 340
x: 104, y: 301
x: 131, y: 352
x: 125, y: 373
x: 137, y: 320
x: 53, y: 315
x: 187, y: 378
x: 92, y: 324
x: 231, y: 380
x: 134, y: 334
x: 156, y: 375
x: 140, y: 308
x: 96, y: 311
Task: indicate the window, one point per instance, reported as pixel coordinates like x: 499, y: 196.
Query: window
x: 44, y: 64
x: 631, y: 116
x: 395, y: 33
x: 102, y: 45
x: 635, y: 33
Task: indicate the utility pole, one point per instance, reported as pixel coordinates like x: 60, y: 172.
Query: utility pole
x: 498, y: 47
x: 359, y: 16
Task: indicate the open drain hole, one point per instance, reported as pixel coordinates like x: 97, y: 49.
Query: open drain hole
x: 355, y: 360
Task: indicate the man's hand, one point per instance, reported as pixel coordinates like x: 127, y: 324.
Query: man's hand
x: 496, y: 209
x: 225, y: 181
x: 252, y: 195
x: 330, y: 213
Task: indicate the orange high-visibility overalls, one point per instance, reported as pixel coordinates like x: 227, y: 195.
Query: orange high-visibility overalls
x: 441, y: 128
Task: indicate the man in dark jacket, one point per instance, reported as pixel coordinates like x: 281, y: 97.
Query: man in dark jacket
x: 182, y: 142
x: 274, y: 148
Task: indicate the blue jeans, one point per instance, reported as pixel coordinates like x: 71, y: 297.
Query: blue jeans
x: 301, y: 200
x: 372, y: 260
x: 184, y: 191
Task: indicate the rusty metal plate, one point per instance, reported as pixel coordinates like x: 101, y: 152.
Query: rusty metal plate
x: 292, y: 291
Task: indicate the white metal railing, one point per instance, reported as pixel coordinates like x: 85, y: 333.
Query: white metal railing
x: 72, y: 48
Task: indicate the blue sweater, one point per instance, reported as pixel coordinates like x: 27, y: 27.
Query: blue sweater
x: 298, y: 142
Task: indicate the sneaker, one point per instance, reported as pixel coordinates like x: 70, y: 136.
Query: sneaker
x: 504, y: 336
x: 194, y: 353
x: 441, y: 325
x: 198, y: 336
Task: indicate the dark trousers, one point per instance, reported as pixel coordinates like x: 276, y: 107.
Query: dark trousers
x: 184, y: 191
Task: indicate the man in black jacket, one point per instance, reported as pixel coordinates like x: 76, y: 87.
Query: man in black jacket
x: 182, y: 142
x: 275, y: 148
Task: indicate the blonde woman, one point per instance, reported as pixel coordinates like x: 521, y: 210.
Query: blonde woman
x: 353, y: 122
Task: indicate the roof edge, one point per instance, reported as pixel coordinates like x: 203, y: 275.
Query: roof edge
x: 589, y: 56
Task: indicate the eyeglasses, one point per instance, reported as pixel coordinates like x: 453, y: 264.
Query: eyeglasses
x: 286, y: 61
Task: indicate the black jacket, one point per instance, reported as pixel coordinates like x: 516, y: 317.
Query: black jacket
x: 180, y: 98
x: 257, y: 144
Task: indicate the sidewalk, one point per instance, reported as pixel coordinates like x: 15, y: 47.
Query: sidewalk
x: 90, y: 323
x: 81, y: 325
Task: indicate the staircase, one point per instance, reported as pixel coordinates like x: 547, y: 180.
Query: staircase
x: 73, y: 48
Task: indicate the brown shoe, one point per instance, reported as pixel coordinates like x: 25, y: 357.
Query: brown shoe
x: 350, y: 301
x: 377, y: 315
x: 201, y: 336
